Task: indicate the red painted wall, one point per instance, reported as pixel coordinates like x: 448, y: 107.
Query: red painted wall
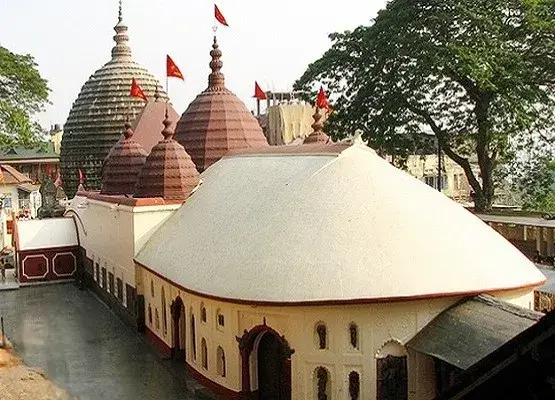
x: 48, y: 264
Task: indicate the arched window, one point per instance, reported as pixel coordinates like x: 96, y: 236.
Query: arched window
x: 156, y: 319
x: 321, y: 336
x: 220, y: 319
x: 221, y: 361
x: 353, y: 335
x: 193, y: 337
x: 152, y: 288
x: 391, y: 371
x: 322, y: 388
x: 354, y: 385
x: 202, y: 313
x: 204, y: 353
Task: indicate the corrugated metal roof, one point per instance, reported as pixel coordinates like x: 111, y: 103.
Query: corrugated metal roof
x: 470, y: 330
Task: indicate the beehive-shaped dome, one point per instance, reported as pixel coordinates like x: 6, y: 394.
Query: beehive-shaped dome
x: 122, y: 165
x: 217, y: 121
x: 95, y: 119
x: 168, y: 171
x: 318, y: 136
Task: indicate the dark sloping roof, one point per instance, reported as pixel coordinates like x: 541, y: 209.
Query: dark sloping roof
x: 471, y: 329
x: 42, y: 151
x: 523, y: 368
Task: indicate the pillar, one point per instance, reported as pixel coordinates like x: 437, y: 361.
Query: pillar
x: 550, y: 242
x: 543, y: 243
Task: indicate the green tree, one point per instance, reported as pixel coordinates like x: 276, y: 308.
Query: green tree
x: 478, y: 74
x: 534, y: 179
x: 23, y: 93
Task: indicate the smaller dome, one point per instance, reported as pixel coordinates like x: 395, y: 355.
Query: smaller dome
x: 217, y: 121
x: 168, y: 171
x: 318, y: 136
x: 122, y: 165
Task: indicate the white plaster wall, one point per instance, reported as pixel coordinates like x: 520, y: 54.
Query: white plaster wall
x: 112, y: 234
x: 378, y: 324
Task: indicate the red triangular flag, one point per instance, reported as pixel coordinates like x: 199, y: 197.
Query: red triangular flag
x: 321, y: 100
x: 258, y: 92
x: 172, y: 69
x: 136, y: 91
x: 81, y: 176
x: 219, y: 16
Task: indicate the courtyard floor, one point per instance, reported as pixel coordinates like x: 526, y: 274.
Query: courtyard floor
x: 84, y: 348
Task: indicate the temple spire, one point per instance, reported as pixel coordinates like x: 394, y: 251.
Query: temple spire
x: 167, y: 132
x: 216, y: 78
x: 318, y: 136
x: 121, y: 49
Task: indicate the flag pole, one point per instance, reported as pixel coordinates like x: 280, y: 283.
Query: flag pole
x: 167, y: 85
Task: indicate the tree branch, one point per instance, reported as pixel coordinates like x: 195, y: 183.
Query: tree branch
x: 442, y: 140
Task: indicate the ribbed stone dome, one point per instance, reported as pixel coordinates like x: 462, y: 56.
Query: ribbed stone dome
x: 168, y: 171
x: 217, y: 121
x: 94, y: 122
x: 122, y: 165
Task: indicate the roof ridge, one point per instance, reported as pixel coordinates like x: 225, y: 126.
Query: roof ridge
x: 508, y: 307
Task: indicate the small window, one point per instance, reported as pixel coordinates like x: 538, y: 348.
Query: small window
x: 149, y: 315
x: 321, y: 336
x: 156, y: 319
x: 354, y: 385
x: 152, y: 288
x: 221, y: 361
x: 203, y: 313
x: 353, y: 335
x: 221, y: 320
x: 322, y: 379
x: 97, y: 267
x: 204, y: 353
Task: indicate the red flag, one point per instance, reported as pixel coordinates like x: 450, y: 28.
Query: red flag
x: 219, y: 16
x: 81, y: 176
x: 172, y: 69
x: 321, y: 100
x: 258, y: 92
x: 136, y: 91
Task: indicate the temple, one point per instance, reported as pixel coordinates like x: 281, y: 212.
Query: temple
x: 295, y: 271
x: 102, y: 106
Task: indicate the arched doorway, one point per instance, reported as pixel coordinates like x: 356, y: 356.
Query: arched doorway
x: 177, y: 310
x: 269, y: 356
x: 271, y: 373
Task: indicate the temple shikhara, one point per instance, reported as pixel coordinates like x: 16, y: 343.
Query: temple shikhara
x: 313, y: 270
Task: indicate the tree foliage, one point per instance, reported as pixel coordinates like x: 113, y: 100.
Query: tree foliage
x: 478, y: 74
x: 23, y: 93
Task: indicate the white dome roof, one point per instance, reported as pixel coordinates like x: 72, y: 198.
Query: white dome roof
x: 344, y: 226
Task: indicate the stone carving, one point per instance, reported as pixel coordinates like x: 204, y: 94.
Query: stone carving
x: 50, y: 207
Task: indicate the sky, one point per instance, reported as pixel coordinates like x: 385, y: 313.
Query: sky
x: 271, y: 42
